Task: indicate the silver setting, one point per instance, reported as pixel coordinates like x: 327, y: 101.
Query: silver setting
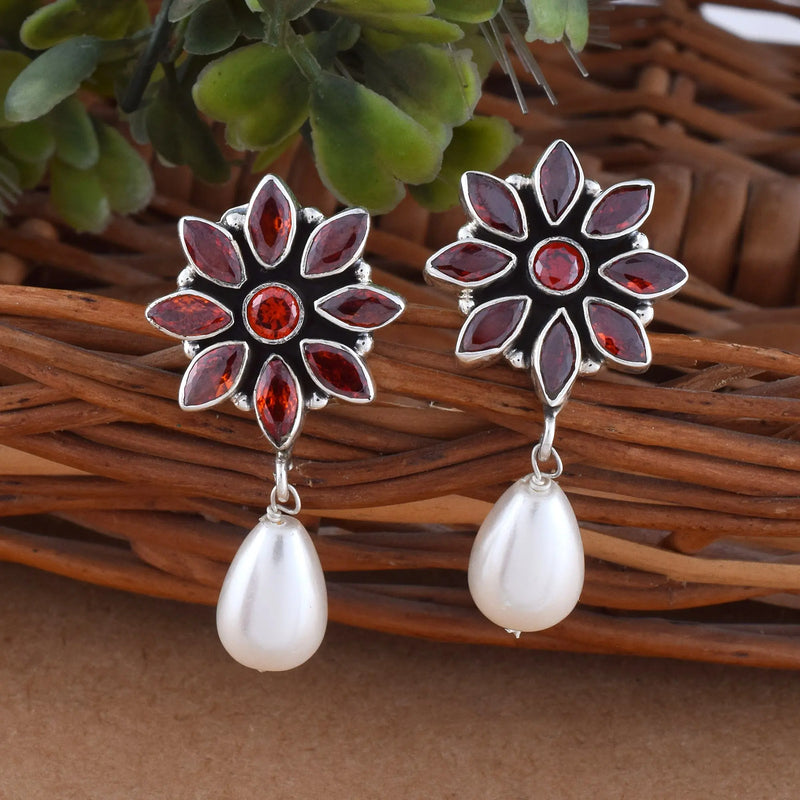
x: 518, y: 181
x: 353, y: 354
x: 645, y: 314
x: 282, y: 189
x: 191, y: 337
x: 224, y: 395
x: 644, y: 298
x: 640, y: 241
x: 589, y: 366
x: 364, y: 344
x: 537, y: 186
x: 297, y: 327
x: 242, y: 402
x: 316, y: 401
x: 435, y: 276
x: 593, y: 188
x: 558, y: 292
x: 467, y: 203
x: 466, y: 302
x: 629, y: 366
x: 363, y: 273
x: 357, y: 253
x: 548, y: 434
x: 186, y: 277
x: 298, y: 420
x: 226, y: 234
x: 359, y: 287
x: 516, y: 358
x: 312, y: 215
x: 234, y: 218
x: 600, y: 198
x: 191, y: 349
x: 493, y: 353
x: 536, y: 355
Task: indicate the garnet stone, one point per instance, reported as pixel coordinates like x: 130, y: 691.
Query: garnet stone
x: 558, y: 265
x: 494, y: 203
x: 470, y: 261
x: 212, y: 250
x: 213, y: 375
x: 616, y: 332
x: 336, y: 243
x: 338, y: 370
x: 270, y: 221
x: 557, y: 358
x: 189, y: 315
x: 619, y: 210
x: 491, y: 326
x: 273, y: 312
x: 277, y: 401
x: 361, y: 307
x: 559, y: 180
x: 645, y: 272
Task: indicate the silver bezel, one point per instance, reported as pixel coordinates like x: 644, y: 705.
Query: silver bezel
x: 359, y: 286
x: 485, y: 356
x: 467, y: 203
x: 357, y: 253
x: 234, y: 217
x: 327, y: 390
x: 297, y: 327
x: 538, y: 188
x: 599, y: 199
x: 558, y: 292
x: 234, y: 384
x: 193, y: 337
x: 437, y: 277
x: 284, y: 190
x: 562, y: 396
x: 227, y: 235
x: 630, y: 366
x: 643, y: 298
x: 298, y: 420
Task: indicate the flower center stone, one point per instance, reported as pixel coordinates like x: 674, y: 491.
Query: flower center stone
x: 273, y: 312
x: 558, y: 265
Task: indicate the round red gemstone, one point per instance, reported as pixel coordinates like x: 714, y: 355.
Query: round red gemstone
x: 492, y: 326
x: 213, y: 374
x: 469, y: 262
x: 336, y: 242
x: 620, y: 210
x: 494, y: 203
x: 558, y: 180
x: 617, y: 333
x: 645, y: 272
x: 558, y: 265
x: 557, y: 358
x: 276, y: 401
x: 189, y: 315
x: 337, y: 370
x: 361, y: 307
x: 273, y: 312
x: 212, y: 251
x: 270, y: 222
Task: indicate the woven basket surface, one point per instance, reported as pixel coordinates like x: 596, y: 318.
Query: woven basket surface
x: 686, y: 480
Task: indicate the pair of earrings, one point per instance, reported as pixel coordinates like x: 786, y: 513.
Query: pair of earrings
x: 276, y: 311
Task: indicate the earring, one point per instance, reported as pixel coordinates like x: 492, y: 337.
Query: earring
x: 554, y: 277
x: 275, y: 310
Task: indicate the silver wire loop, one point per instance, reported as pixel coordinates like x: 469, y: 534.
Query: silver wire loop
x: 548, y: 435
x: 282, y: 467
x: 276, y: 508
x: 540, y: 476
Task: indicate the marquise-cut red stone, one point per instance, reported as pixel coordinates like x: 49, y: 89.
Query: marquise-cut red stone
x: 336, y: 242
x: 558, y: 266
x: 276, y: 400
x: 495, y: 204
x: 189, y: 315
x: 645, y: 272
x: 491, y: 326
x: 559, y: 180
x: 211, y: 249
x: 269, y: 222
x: 338, y: 370
x: 362, y: 307
x: 273, y: 313
x: 557, y: 358
x: 621, y: 209
x: 469, y: 262
x: 213, y: 374
x: 617, y: 333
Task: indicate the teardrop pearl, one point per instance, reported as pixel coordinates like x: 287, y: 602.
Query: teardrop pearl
x: 526, y: 565
x: 273, y: 607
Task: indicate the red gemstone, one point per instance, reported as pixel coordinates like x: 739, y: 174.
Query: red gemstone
x: 557, y: 358
x: 617, y: 333
x: 491, y: 326
x: 277, y: 401
x: 212, y: 250
x: 645, y: 272
x: 558, y: 265
x: 336, y: 243
x: 494, y: 203
x: 213, y: 374
x: 338, y: 370
x: 469, y: 262
x: 361, y: 307
x: 620, y: 210
x: 269, y: 221
x: 273, y: 312
x: 189, y: 315
x: 559, y: 180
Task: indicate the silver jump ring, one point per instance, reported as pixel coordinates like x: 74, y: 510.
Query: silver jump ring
x: 548, y: 435
x: 276, y: 508
x: 282, y: 478
x: 539, y: 476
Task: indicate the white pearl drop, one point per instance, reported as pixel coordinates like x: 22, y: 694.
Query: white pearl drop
x: 273, y: 607
x: 526, y: 566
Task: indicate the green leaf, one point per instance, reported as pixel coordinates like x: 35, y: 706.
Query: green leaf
x: 12, y: 15
x: 470, y: 11
x: 76, y: 141
x: 415, y: 28
x: 483, y: 144
x: 78, y: 196
x: 29, y: 141
x: 269, y: 154
x: 251, y: 25
x: 11, y: 65
x: 577, y: 27
x: 358, y: 7
x: 258, y: 92
x: 365, y: 146
x: 123, y: 174
x: 31, y: 173
x: 211, y: 29
x: 182, y: 8
x: 54, y: 75
x: 546, y: 19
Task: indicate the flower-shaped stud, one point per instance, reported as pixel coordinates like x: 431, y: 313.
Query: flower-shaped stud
x: 553, y: 273
x: 275, y: 309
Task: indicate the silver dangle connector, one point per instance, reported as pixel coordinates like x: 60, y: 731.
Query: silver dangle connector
x: 543, y: 451
x: 283, y: 491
